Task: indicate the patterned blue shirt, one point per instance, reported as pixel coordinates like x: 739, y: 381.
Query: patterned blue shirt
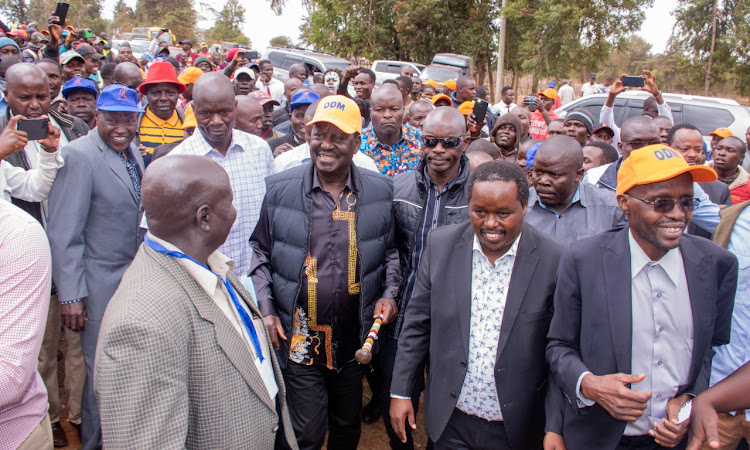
x: 489, y: 290
x: 403, y: 156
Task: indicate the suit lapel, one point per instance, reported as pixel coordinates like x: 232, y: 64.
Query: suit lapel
x: 230, y: 342
x: 698, y: 274
x: 617, y: 287
x: 521, y: 275
x: 462, y: 285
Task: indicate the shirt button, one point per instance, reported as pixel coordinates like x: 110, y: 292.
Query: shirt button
x: 336, y: 292
x: 659, y: 363
x: 661, y: 329
x: 463, y: 363
x: 658, y: 295
x: 658, y: 396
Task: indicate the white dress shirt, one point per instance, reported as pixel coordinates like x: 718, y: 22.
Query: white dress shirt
x: 274, y: 88
x: 489, y: 291
x: 501, y: 108
x: 248, y: 162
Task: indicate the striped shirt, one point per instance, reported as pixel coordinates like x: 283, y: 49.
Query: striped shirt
x: 25, y: 282
x: 248, y: 162
x: 155, y: 131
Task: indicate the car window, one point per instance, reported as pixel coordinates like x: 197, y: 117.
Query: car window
x: 276, y: 58
x: 288, y: 61
x: 707, y: 119
x: 394, y: 68
x: 379, y: 67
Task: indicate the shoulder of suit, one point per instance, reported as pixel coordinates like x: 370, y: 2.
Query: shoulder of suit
x: 708, y: 247
x: 405, y: 184
x: 450, y: 232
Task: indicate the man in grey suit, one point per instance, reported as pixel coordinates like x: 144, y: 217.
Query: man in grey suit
x: 481, y: 308
x: 94, y: 228
x: 184, y: 360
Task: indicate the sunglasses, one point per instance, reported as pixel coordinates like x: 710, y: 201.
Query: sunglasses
x: 447, y: 142
x: 635, y: 145
x: 663, y: 205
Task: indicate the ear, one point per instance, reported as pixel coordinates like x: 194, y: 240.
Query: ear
x: 622, y: 202
x: 579, y: 175
x: 203, y: 217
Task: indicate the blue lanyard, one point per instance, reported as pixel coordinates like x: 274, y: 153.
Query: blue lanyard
x: 246, y: 320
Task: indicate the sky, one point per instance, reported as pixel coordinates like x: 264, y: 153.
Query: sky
x: 262, y: 24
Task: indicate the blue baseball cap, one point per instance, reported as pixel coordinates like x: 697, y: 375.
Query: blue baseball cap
x: 551, y: 84
x: 303, y: 98
x: 118, y: 98
x: 79, y: 84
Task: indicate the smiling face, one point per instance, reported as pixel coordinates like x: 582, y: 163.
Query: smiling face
x: 656, y: 232
x: 689, y: 142
x: 496, y: 215
x: 74, y: 68
x: 332, y: 150
x: 505, y: 136
x: 117, y: 129
x: 363, y: 86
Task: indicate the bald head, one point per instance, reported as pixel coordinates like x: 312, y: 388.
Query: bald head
x: 176, y: 188
x: 128, y: 74
x: 466, y: 89
x: 298, y: 71
x: 640, y: 130
x: 386, y: 92
x: 321, y: 89
x: 212, y: 86
x: 448, y: 120
x: 291, y: 85
x: 24, y: 73
x: 418, y: 112
x: 561, y: 150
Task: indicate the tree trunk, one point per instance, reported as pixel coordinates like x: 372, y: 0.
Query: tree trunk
x: 711, y: 55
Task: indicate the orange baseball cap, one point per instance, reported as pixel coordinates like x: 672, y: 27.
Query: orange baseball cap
x: 430, y: 82
x: 466, y: 108
x: 341, y: 112
x: 549, y: 93
x: 721, y: 132
x: 190, y: 75
x: 437, y: 97
x: 656, y: 163
x: 450, y: 84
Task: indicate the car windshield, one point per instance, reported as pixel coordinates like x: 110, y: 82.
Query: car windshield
x: 439, y: 73
x: 139, y: 46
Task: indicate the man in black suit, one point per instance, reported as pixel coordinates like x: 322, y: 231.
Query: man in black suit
x: 481, y: 308
x: 637, y: 311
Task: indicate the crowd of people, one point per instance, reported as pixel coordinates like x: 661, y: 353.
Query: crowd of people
x: 215, y: 244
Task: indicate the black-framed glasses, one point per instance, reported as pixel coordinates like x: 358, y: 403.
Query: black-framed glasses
x: 447, y: 142
x: 665, y: 205
x: 635, y: 145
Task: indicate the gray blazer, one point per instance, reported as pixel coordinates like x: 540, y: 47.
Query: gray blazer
x: 93, y: 222
x: 172, y: 372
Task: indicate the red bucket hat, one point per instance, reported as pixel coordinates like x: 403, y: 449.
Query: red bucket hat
x: 161, y: 72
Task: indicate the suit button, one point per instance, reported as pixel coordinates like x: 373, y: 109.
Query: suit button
x: 453, y: 395
x: 463, y: 363
x: 275, y: 428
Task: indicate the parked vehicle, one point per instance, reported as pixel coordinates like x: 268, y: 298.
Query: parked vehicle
x: 706, y: 113
x: 283, y: 57
x: 447, y: 66
x: 389, y: 70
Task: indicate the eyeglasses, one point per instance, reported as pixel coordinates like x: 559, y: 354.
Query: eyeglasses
x: 663, y: 205
x: 635, y: 145
x: 447, y: 142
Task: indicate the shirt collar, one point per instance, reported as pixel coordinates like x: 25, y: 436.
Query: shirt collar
x: 316, y: 181
x: 173, y: 121
x: 373, y: 141
x: 219, y: 264
x: 477, y: 247
x: 670, y: 262
x: 207, y: 148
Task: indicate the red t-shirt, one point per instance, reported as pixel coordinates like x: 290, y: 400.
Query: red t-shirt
x: 538, y: 127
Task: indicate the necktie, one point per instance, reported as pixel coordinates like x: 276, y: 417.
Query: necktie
x: 246, y: 320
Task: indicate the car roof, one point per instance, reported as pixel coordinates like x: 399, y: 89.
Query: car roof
x: 323, y: 56
x: 696, y: 99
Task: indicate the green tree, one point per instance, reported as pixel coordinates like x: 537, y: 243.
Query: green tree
x: 177, y: 15
x: 281, y: 41
x: 228, y: 25
x: 15, y: 10
x: 124, y: 16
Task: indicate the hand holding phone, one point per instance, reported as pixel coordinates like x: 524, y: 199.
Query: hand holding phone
x: 36, y: 129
